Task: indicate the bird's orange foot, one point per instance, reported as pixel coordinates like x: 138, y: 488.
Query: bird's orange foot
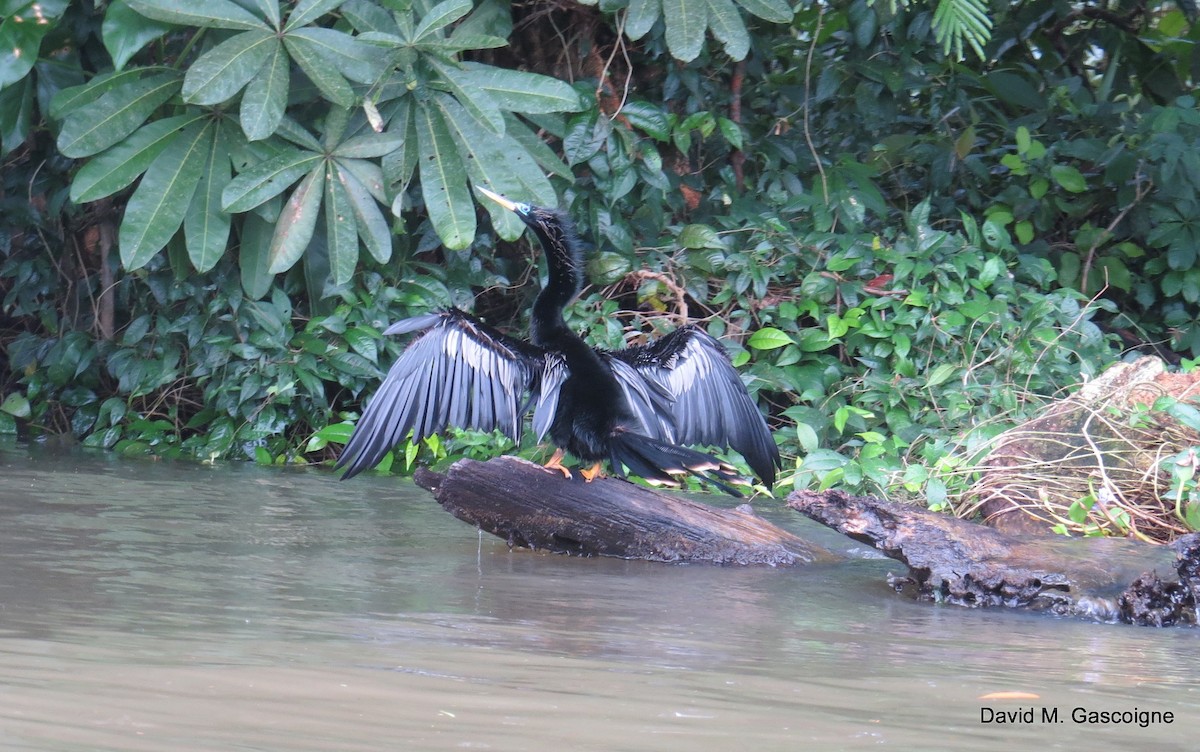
x: 555, y: 463
x: 591, y: 473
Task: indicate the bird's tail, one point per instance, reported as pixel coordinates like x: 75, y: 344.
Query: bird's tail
x: 661, y: 463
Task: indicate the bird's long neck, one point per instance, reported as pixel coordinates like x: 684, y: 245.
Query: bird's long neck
x: 564, y: 262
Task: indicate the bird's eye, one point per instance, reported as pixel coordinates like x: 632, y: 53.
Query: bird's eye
x: 521, y: 208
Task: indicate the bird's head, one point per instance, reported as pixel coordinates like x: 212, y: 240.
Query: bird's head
x: 534, y: 216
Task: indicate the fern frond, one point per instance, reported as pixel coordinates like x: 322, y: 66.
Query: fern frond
x: 958, y: 21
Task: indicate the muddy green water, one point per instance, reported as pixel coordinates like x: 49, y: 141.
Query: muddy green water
x: 168, y: 606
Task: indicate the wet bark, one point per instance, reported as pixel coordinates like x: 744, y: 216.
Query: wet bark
x: 965, y: 563
x: 532, y: 507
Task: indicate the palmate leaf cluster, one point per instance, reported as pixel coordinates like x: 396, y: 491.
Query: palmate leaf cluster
x: 385, y: 93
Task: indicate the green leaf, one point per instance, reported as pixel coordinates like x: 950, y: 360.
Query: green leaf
x: 221, y: 14
x: 686, y: 21
x: 728, y: 27
x: 1069, y: 178
x: 307, y: 11
x: 471, y: 97
x: 488, y: 164
x: 769, y: 338
x: 114, y: 115
x: 295, y: 227
x: 372, y: 226
x: 369, y: 174
x: 940, y: 374
x: 157, y: 207
x: 731, y: 131
x: 370, y: 145
x: 545, y: 157
x: 265, y: 99
x: 126, y: 32
x: 641, y: 17
x: 341, y: 229
x: 206, y: 226
x: 775, y: 11
x: 700, y: 236
x: 358, y: 61
x: 331, y: 83
x: 73, y: 98
x: 16, y: 405
x: 267, y: 179
x: 16, y: 115
x: 443, y: 181
x: 117, y: 168
x: 222, y: 71
x: 254, y: 257
x: 338, y: 433
x: 440, y: 16
x: 518, y: 91
x: 270, y: 11
x: 650, y: 119
x: 20, y: 42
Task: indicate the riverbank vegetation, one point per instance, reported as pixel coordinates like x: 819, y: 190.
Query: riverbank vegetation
x: 909, y: 232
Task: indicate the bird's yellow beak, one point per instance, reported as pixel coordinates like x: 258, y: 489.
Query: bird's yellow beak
x: 498, y: 199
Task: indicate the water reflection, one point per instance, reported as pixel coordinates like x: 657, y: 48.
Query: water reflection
x: 149, y: 605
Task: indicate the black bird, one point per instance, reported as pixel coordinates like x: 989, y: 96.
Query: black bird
x: 633, y: 407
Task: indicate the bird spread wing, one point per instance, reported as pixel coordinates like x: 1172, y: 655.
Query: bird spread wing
x: 460, y: 373
x: 710, y: 404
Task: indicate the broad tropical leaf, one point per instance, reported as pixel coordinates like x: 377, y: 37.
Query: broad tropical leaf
x: 295, y: 227
x: 157, y: 207
x: 729, y: 28
x: 222, y: 14
x: 545, y: 157
x: 686, y: 22
x: 21, y: 34
x: 775, y: 11
x: 641, y: 17
x: 67, y: 101
x: 254, y: 259
x: 372, y: 226
x: 206, y: 225
x: 126, y: 32
x: 444, y: 181
x: 473, y: 98
x: 265, y: 99
x: 341, y: 229
x: 114, y: 115
x: 307, y: 11
x: 308, y: 56
x: 370, y: 144
x: 518, y: 91
x: 440, y: 16
x: 120, y: 165
x: 267, y: 179
x: 357, y: 61
x: 225, y: 69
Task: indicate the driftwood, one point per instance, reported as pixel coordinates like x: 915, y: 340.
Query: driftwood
x: 956, y: 561
x: 530, y: 506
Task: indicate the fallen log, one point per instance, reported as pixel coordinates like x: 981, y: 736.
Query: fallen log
x: 532, y: 507
x: 955, y: 561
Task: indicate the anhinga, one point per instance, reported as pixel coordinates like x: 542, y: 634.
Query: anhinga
x: 633, y: 407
